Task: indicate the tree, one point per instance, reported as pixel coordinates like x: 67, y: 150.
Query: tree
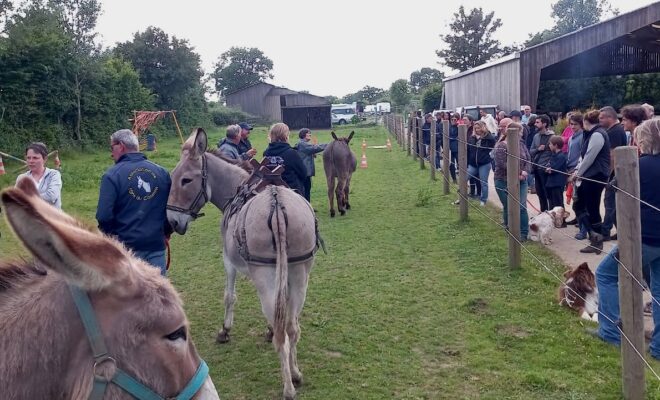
x: 400, y: 92
x: 369, y: 94
x: 431, y: 98
x: 332, y: 99
x: 420, y: 80
x: 571, y: 15
x: 471, y: 43
x: 170, y: 68
x: 78, y: 17
x: 240, y: 67
x: 6, y: 8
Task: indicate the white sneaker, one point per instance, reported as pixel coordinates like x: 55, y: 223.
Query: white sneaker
x: 482, y: 204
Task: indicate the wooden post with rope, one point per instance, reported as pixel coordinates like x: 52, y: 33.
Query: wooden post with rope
x: 445, y: 155
x: 631, y: 303
x: 432, y: 156
x: 462, y: 172
x: 413, y: 136
x: 420, y: 143
x: 513, y: 197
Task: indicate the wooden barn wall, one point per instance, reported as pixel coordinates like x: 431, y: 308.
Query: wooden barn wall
x: 304, y: 99
x: 250, y: 100
x: 499, y: 84
x: 272, y: 108
x: 536, y: 58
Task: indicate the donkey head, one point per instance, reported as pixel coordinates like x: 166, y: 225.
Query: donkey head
x: 189, y: 191
x: 344, y: 139
x: 140, y: 314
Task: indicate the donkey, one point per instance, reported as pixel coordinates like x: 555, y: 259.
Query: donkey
x: 339, y: 163
x: 131, y: 325
x: 269, y: 236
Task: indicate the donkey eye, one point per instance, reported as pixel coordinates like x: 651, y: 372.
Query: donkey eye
x: 185, y: 181
x: 177, y: 334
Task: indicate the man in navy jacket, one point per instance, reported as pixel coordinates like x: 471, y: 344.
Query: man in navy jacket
x: 133, y: 199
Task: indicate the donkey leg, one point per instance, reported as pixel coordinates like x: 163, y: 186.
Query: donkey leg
x: 298, y: 279
x: 230, y: 300
x: 331, y: 189
x: 341, y: 183
x: 264, y: 280
x: 347, y: 189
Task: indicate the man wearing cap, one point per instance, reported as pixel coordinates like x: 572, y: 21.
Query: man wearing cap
x: 244, y: 146
x: 516, y: 116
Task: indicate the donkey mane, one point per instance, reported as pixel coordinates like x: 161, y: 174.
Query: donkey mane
x: 17, y: 274
x: 239, y: 163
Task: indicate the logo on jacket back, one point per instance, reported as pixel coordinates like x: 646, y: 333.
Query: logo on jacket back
x: 142, y: 184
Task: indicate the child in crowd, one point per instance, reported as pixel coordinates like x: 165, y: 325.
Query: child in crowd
x: 556, y: 171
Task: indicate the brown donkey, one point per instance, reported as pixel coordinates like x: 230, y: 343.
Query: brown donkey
x: 269, y: 236
x: 339, y: 163
x: 45, y: 352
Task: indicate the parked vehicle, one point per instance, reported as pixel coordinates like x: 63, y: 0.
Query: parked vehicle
x: 382, y: 108
x: 473, y: 111
x: 342, y: 113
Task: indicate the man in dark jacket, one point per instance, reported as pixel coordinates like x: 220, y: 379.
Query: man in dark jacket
x: 540, y: 153
x: 279, y: 152
x: 307, y: 152
x: 608, y: 120
x: 132, y: 200
x: 245, y: 148
x: 229, y: 145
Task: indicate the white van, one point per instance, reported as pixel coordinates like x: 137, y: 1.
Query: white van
x: 383, y: 108
x: 342, y: 113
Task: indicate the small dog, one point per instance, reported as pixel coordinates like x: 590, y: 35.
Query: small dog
x: 540, y: 227
x: 580, y: 292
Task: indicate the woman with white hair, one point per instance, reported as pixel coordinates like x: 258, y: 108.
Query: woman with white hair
x: 647, y: 136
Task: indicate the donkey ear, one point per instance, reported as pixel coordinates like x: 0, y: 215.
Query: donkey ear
x: 28, y: 186
x: 333, y: 135
x: 201, y: 143
x: 87, y: 260
x: 350, y: 136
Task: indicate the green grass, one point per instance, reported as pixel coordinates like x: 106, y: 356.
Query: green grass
x: 408, y: 303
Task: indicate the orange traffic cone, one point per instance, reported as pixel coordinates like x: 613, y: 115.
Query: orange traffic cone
x: 363, y: 162
x: 364, y: 145
x: 2, y: 167
x: 389, y: 145
x: 57, y: 161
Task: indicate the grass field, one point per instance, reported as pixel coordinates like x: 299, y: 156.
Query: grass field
x: 408, y: 303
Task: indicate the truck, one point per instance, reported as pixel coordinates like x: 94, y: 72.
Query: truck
x: 382, y: 108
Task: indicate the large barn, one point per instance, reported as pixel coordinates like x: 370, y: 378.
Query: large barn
x: 296, y: 109
x: 626, y: 44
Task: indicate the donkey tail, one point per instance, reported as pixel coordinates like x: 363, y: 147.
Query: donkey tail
x: 281, y: 270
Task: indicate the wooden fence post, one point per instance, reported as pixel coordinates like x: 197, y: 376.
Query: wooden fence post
x: 445, y: 155
x: 408, y: 135
x: 432, y: 156
x: 412, y: 133
x: 462, y: 171
x: 630, y: 254
x: 420, y: 143
x: 513, y: 198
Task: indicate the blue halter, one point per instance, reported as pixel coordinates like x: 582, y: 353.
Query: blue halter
x: 120, y: 378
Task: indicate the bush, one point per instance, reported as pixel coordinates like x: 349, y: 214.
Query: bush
x: 223, y: 116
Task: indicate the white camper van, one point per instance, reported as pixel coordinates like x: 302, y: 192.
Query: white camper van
x: 382, y: 108
x: 342, y: 113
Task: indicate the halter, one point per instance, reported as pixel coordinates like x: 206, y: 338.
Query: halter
x: 200, y: 195
x: 129, y: 384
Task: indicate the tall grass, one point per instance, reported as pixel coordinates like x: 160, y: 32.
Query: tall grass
x: 408, y: 303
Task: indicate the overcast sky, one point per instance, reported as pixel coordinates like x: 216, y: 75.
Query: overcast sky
x: 325, y: 47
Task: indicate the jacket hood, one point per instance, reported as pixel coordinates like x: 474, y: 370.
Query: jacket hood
x: 277, y: 148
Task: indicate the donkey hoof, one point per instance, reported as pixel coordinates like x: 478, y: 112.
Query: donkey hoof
x: 342, y: 212
x: 290, y: 396
x: 223, y: 337
x: 297, y: 380
x: 348, y: 206
x: 332, y: 213
x: 268, y: 336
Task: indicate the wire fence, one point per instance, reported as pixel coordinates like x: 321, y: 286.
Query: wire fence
x: 410, y: 137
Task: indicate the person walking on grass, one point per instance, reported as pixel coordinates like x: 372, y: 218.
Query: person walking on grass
x: 307, y: 151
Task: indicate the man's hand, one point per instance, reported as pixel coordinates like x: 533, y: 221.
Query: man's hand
x: 251, y: 152
x: 541, y: 147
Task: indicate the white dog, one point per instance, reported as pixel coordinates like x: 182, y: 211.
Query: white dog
x: 541, y: 226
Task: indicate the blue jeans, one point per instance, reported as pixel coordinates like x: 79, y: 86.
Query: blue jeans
x: 500, y: 188
x: 155, y: 258
x: 607, y: 279
x: 482, y: 173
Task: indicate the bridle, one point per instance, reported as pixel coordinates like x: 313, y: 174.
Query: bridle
x: 195, y: 206
x: 120, y: 378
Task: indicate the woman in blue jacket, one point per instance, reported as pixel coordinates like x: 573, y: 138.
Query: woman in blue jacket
x: 480, y: 144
